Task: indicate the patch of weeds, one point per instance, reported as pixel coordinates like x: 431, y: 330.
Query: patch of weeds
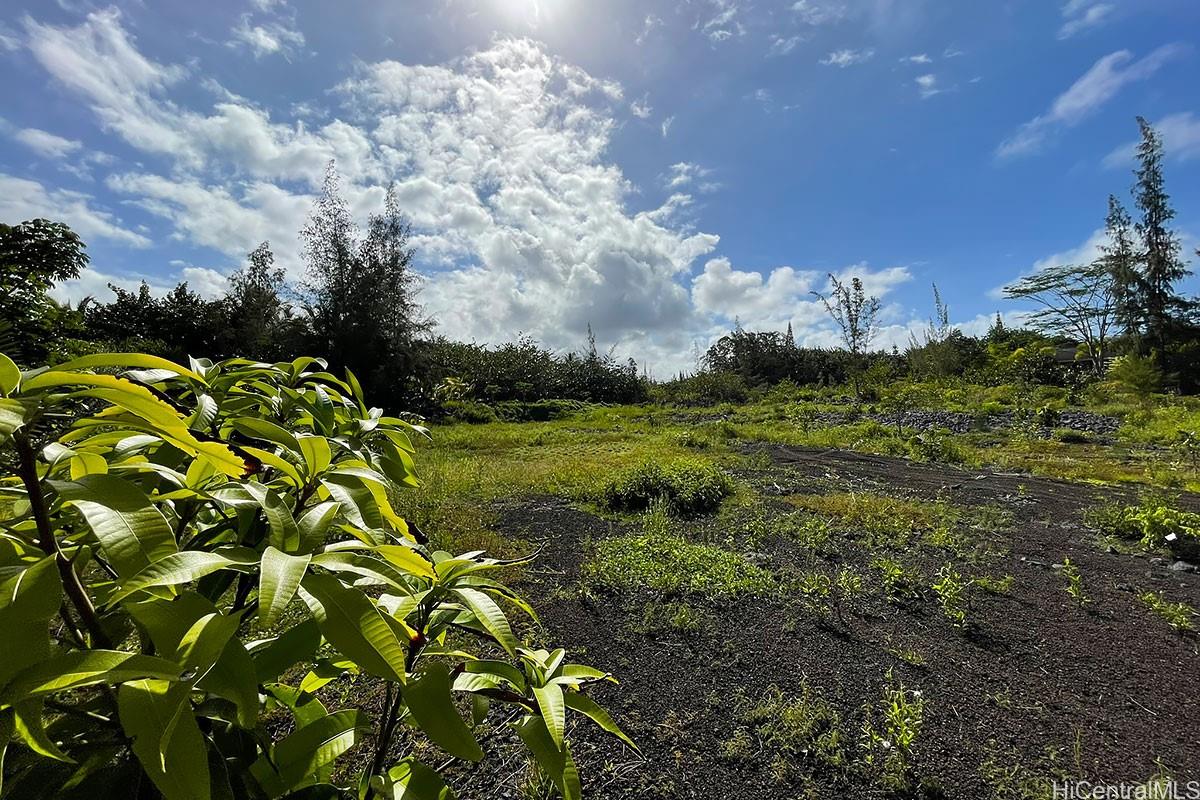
x: 797, y: 731
x: 676, y: 616
x: 953, y: 593
x: 1075, y: 583
x: 900, y: 584
x: 889, y: 735
x: 886, y: 520
x: 688, y: 486
x: 827, y: 597
x: 935, y: 446
x: 1153, y: 523
x: 739, y: 747
x: 994, y: 585
x: 807, y: 531
x: 1178, y: 615
x: 1009, y: 776
x: 906, y: 654
x: 1071, y: 436
x: 668, y: 564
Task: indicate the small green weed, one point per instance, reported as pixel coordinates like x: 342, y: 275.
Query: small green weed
x: 953, y: 594
x: 994, y: 585
x: 1178, y: 615
x: 889, y: 735
x: 900, y: 584
x: 1075, y: 583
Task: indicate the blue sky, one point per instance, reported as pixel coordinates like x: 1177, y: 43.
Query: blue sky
x: 657, y: 169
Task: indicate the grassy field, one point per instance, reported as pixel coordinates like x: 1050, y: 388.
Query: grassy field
x: 810, y: 597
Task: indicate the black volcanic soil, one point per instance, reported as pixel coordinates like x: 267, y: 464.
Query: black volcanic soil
x: 1038, y: 686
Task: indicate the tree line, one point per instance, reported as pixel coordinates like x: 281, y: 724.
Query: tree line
x: 356, y: 307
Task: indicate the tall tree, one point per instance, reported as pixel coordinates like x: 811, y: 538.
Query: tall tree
x: 361, y: 294
x: 34, y: 256
x: 257, y: 310
x: 1162, y: 266
x: 1120, y: 260
x: 1076, y: 301
x: 856, y: 315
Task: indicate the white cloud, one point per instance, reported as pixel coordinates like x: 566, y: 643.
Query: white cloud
x: 847, y: 57
x: 22, y: 199
x: 1096, y: 87
x: 919, y: 58
x: 781, y: 45
x: 266, y: 38
x: 687, y: 174
x: 641, y: 108
x: 1084, y: 253
x: 648, y: 27
x: 763, y: 97
x: 666, y: 125
x: 46, y: 144
x: 927, y: 85
x: 1080, y: 15
x: 723, y: 24
x: 1180, y: 137
x: 820, y: 12
x: 781, y: 297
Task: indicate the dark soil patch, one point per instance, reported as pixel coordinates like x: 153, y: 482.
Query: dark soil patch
x: 1109, y: 687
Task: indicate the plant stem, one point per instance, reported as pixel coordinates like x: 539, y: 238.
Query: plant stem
x: 27, y: 468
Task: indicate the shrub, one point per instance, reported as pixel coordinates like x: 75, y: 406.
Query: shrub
x: 703, y: 389
x: 1153, y: 523
x: 687, y: 486
x: 670, y: 565
x: 205, y: 532
x: 469, y: 412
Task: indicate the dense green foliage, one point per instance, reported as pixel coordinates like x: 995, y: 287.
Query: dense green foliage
x: 201, y: 552
x: 684, y: 486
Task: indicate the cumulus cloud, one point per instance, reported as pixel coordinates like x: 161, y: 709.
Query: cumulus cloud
x: 781, y: 297
x: 1180, y: 136
x: 686, y: 174
x: 1093, y: 89
x: 22, y: 199
x: 847, y: 58
x: 641, y: 108
x: 1080, y: 15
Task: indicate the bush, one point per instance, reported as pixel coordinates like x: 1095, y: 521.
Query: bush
x: 1153, y: 523
x: 469, y: 412
x: 172, y: 559
x: 687, y: 487
x: 703, y: 389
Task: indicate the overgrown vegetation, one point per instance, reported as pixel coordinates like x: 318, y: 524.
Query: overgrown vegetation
x: 684, y: 486
x: 198, y: 539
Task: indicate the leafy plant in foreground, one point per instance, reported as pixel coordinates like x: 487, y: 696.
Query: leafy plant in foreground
x: 1075, y: 583
x: 1178, y: 615
x: 150, y: 563
x: 953, y: 593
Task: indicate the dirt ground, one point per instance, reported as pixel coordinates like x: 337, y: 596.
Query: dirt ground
x: 1038, y: 686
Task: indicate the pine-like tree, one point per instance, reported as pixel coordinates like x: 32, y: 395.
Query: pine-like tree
x: 1121, y: 262
x: 1161, y: 265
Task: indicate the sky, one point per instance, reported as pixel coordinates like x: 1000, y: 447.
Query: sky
x: 657, y: 170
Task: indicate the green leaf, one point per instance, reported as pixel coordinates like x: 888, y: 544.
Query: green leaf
x: 412, y: 780
x: 166, y: 740
x: 556, y: 764
x: 407, y: 559
x: 354, y: 625
x: 490, y: 616
x: 305, y: 751
x: 12, y: 416
x: 131, y: 530
x: 378, y: 570
x: 27, y: 719
x: 279, y: 578
x: 429, y: 699
x: 273, y: 657
x: 587, y: 706
x: 233, y: 677
x: 28, y: 601
x: 129, y: 361
x: 285, y: 535
x: 305, y: 707
x: 181, y: 567
x: 550, y: 701
x: 203, y: 643
x: 10, y: 375
x: 267, y: 431
x: 317, y: 454
x: 500, y: 669
x: 84, y: 668
x: 314, y: 524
